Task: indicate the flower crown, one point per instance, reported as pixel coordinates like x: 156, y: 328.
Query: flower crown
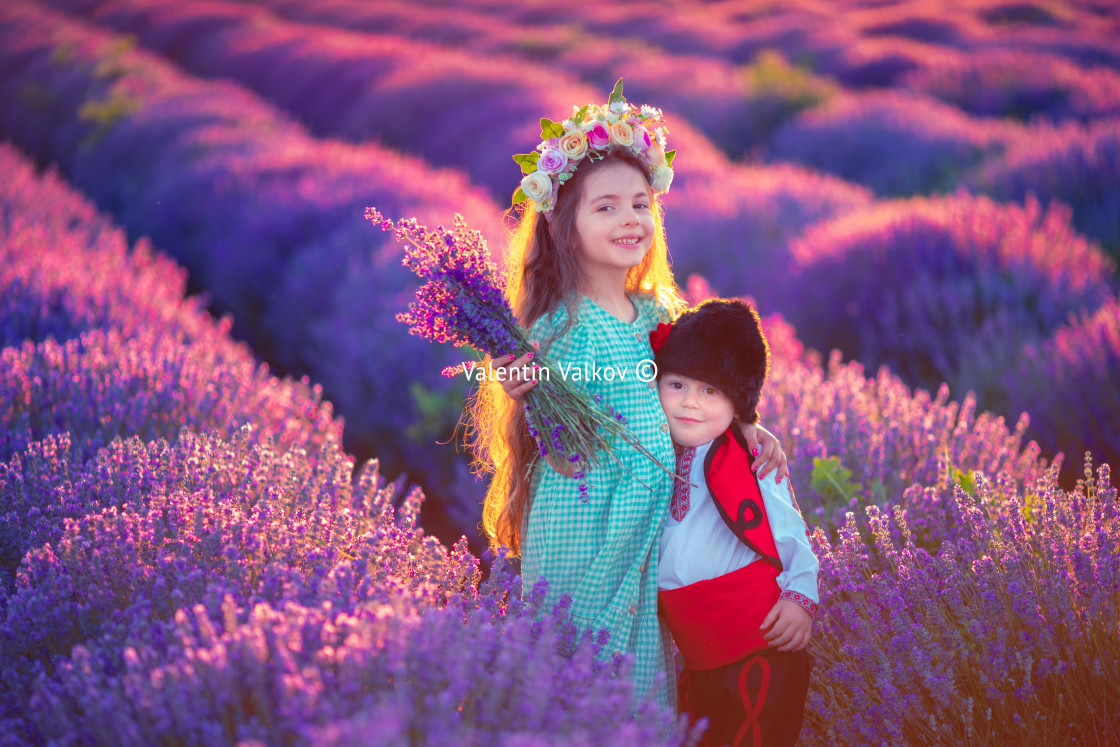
x: 592, y: 132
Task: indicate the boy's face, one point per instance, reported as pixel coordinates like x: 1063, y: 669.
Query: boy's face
x: 697, y: 412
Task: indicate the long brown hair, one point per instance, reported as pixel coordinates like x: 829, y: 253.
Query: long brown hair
x: 544, y: 269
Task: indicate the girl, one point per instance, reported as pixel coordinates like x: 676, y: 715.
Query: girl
x: 588, y: 274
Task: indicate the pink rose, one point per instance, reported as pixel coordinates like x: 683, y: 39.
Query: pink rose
x: 641, y: 136
x: 655, y: 155
x: 552, y: 161
x: 599, y: 136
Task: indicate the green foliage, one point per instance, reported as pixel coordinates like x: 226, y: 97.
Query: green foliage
x: 439, y: 410
x: 112, y: 65
x: 550, y: 129
x: 773, y: 92
x: 954, y: 475
x: 616, y: 94
x: 770, y: 74
x: 527, y: 161
x: 832, y: 481
x: 106, y: 112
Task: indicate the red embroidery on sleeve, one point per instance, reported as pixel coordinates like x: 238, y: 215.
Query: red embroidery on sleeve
x: 801, y: 601
x: 678, y: 507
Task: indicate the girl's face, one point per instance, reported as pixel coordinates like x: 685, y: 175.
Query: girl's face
x: 614, y: 221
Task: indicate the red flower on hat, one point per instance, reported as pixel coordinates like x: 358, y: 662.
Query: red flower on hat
x: 658, y: 336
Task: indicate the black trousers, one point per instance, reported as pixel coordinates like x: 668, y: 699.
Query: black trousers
x: 758, y: 701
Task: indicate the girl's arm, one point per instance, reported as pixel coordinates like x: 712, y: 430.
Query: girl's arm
x: 767, y: 451
x: 515, y: 388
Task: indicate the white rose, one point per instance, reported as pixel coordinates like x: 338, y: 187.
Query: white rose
x: 536, y: 186
x: 660, y: 179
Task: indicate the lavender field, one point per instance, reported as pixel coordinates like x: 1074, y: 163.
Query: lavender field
x: 230, y: 513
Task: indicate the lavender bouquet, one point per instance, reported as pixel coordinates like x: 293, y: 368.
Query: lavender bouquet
x: 463, y: 302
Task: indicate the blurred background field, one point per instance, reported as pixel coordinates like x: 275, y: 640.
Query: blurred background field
x: 214, y: 435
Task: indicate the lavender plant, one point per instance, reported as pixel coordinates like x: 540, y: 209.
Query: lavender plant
x: 1077, y: 165
x: 971, y: 281
x: 1010, y: 83
x: 1016, y: 645
x: 381, y: 674
x: 739, y: 229
x: 882, y: 61
x: 932, y: 25
x: 1066, y: 383
x: 930, y: 145
x: 891, y: 439
x: 49, y: 238
x: 157, y: 527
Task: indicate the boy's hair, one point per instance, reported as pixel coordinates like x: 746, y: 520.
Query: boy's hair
x: 721, y: 343
x: 544, y: 269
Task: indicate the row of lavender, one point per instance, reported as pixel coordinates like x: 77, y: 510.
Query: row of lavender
x: 736, y: 30
x: 964, y: 300
x: 183, y: 552
x: 337, y: 78
x: 213, y: 585
x: 264, y: 217
x: 927, y: 86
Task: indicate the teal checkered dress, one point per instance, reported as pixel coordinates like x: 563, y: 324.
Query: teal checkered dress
x: 604, y: 552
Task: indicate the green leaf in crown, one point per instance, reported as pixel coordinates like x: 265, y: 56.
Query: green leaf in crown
x: 519, y: 196
x: 527, y: 161
x: 669, y: 156
x: 550, y: 129
x: 616, y: 94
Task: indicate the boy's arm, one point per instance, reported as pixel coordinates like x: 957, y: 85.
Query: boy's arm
x: 798, y: 580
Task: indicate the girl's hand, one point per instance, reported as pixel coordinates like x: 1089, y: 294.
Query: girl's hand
x: 790, y: 625
x: 767, y: 451
x: 513, y: 374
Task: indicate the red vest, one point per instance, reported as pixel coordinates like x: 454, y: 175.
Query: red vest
x: 735, y: 490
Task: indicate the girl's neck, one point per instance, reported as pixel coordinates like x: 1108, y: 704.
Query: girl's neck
x: 612, y: 298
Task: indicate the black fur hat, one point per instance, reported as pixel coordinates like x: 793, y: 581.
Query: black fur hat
x: 720, y: 342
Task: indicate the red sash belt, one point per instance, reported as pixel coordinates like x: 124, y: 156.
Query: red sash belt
x: 715, y: 622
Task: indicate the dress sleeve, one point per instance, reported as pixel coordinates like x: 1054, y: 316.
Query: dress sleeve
x: 791, y: 536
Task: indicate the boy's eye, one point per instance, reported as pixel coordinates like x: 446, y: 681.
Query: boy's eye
x: 710, y: 390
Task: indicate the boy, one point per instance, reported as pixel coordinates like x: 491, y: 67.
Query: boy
x: 737, y: 576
